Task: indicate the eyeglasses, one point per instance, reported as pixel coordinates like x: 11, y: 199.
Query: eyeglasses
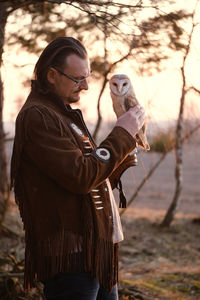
x: 77, y: 81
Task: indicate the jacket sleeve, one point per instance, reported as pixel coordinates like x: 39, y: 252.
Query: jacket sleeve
x: 59, y: 156
x: 130, y: 161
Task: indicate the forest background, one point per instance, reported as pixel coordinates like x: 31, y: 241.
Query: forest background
x: 156, y: 43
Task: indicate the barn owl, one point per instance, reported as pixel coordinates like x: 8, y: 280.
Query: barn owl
x: 123, y: 97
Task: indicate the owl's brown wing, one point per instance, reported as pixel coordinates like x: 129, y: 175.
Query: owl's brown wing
x: 130, y: 102
x: 141, y: 136
x: 142, y: 139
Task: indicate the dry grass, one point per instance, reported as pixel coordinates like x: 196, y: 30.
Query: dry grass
x: 162, y: 263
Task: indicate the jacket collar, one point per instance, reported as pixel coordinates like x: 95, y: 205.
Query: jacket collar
x: 48, y: 99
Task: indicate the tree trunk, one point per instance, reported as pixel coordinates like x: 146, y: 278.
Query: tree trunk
x: 98, y: 124
x: 3, y: 162
x: 99, y: 120
x: 179, y: 139
x: 179, y: 164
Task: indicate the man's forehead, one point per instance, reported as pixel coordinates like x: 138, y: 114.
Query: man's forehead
x: 77, y: 64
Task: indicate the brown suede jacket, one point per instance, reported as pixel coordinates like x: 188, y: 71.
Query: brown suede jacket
x: 58, y: 173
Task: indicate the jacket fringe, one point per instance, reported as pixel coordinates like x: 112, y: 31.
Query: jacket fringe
x: 103, y: 265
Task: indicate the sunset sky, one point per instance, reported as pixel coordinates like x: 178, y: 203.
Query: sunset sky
x: 159, y: 94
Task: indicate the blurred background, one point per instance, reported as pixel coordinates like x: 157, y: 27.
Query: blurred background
x: 157, y: 44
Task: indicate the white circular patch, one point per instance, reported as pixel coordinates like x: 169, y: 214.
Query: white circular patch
x: 77, y: 129
x: 103, y: 153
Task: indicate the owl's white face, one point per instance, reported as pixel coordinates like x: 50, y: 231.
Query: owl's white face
x: 119, y: 85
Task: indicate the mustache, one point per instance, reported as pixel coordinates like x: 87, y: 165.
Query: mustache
x: 77, y: 91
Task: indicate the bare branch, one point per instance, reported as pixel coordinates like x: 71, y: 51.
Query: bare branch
x: 194, y: 89
x: 82, y: 5
x: 155, y: 166
x: 144, y: 180
x: 120, y: 60
x: 101, y: 3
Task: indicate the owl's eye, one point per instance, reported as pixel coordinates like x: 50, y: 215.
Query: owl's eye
x: 125, y: 83
x: 114, y: 84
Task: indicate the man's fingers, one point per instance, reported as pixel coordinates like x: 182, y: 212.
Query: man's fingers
x: 140, y: 114
x: 137, y: 108
x: 132, y: 120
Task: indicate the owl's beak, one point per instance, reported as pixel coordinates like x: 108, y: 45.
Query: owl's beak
x: 120, y: 88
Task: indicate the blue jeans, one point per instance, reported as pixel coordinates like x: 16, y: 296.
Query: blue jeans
x: 77, y: 286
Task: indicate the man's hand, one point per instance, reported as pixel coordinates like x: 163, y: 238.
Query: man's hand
x: 133, y: 120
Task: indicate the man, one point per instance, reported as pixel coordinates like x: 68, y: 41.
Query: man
x: 60, y: 179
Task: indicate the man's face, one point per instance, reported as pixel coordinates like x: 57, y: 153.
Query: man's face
x: 67, y: 89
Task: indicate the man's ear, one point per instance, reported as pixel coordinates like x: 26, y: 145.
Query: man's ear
x: 51, y: 75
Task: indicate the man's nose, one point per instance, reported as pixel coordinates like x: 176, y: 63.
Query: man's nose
x: 84, y: 85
